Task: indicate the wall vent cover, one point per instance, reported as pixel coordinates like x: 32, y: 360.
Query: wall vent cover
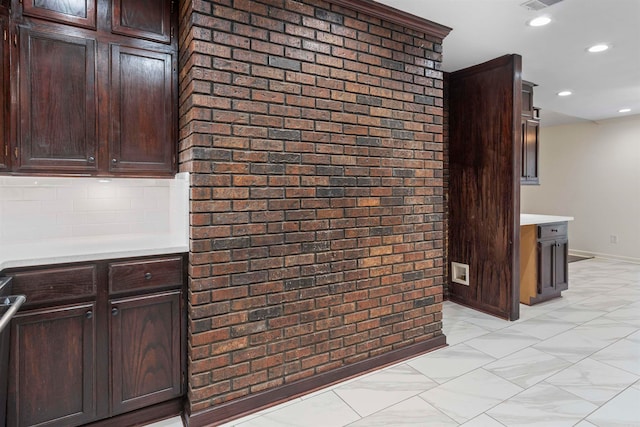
x: 539, y: 4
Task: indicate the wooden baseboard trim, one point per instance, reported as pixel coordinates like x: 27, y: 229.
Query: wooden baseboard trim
x: 144, y: 416
x: 255, y: 402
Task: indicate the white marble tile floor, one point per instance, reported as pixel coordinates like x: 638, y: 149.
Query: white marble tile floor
x: 572, y: 361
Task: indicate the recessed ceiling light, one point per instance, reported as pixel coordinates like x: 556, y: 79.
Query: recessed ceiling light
x: 624, y: 110
x: 598, y: 48
x: 539, y: 21
x: 565, y: 93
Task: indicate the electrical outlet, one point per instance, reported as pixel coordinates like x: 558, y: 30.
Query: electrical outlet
x: 613, y: 239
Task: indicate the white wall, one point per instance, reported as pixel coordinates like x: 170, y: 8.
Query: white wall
x: 591, y: 171
x: 45, y: 208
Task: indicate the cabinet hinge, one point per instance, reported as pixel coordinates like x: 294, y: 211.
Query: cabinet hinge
x: 171, y: 32
x: 15, y: 40
x: 5, y: 35
x: 6, y: 151
x: 173, y: 4
x: 15, y: 152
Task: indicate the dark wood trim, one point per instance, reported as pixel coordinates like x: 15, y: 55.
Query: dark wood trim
x: 391, y: 14
x: 255, y: 402
x: 487, y: 309
x: 144, y: 416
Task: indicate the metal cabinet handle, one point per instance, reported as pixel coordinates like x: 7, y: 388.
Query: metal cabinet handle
x: 147, y: 276
x: 555, y: 230
x: 114, y: 161
x: 91, y: 159
x: 88, y: 314
x: 115, y: 311
x: 14, y: 302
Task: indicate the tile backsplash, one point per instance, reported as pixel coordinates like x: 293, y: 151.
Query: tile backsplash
x: 36, y: 208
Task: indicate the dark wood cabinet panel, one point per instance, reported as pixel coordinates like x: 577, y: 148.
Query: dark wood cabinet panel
x: 145, y: 350
x: 145, y: 19
x: 53, y: 356
x: 81, y: 13
x: 484, y: 185
x: 546, y: 261
x: 527, y: 98
x: 56, y: 285
x: 154, y: 274
x: 142, y: 102
x: 58, y: 129
x: 561, y: 266
x: 4, y: 92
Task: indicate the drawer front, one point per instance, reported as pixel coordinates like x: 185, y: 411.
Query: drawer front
x: 551, y: 231
x: 159, y: 273
x: 56, y: 285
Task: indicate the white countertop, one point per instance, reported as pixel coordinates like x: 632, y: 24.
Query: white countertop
x: 531, y: 219
x: 58, y: 251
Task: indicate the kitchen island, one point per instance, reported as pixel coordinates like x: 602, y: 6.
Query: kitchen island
x: 544, y: 246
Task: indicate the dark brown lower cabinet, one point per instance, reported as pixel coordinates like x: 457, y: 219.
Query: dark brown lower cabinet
x: 52, y: 381
x: 553, y: 257
x: 145, y: 351
x: 96, y: 340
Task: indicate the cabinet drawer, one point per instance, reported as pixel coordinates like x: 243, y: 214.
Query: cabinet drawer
x: 151, y: 274
x: 551, y: 231
x: 56, y: 285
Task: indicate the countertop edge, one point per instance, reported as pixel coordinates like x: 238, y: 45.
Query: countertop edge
x: 535, y: 219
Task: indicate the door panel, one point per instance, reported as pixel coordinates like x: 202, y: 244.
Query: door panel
x: 145, y: 350
x: 81, y: 13
x: 147, y: 19
x: 546, y: 261
x: 4, y: 93
x: 485, y: 103
x: 52, y: 355
x: 141, y: 139
x: 57, y: 102
x: 560, y: 260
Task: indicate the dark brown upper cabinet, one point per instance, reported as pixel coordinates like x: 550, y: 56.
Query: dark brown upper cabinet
x: 140, y: 138
x: 4, y: 91
x: 93, y: 88
x: 58, y: 129
x: 144, y: 19
x: 527, y: 98
x: 80, y: 13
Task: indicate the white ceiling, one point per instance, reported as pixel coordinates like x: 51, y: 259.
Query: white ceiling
x: 554, y: 57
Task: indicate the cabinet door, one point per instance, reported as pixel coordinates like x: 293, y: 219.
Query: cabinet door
x: 561, y: 259
x: 57, y: 102
x: 546, y: 262
x: 531, y: 148
x: 145, y: 19
x: 81, y: 13
x: 530, y: 137
x: 146, y: 367
x: 4, y: 93
x: 142, y: 138
x: 52, y: 375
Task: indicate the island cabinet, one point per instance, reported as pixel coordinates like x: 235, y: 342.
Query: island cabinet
x: 543, y: 262
x: 96, y: 85
x: 97, y: 340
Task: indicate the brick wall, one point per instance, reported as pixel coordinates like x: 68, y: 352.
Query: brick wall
x: 313, y: 135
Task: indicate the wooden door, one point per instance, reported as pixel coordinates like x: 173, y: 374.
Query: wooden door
x: 145, y: 350
x: 80, y: 13
x: 144, y: 19
x: 52, y: 375
x: 58, y: 130
x: 484, y: 184
x: 142, y: 137
x: 4, y: 93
